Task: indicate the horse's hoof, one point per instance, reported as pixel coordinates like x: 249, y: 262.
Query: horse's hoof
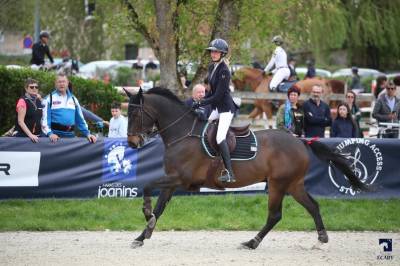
x: 136, y: 244
x: 151, y: 224
x: 323, y: 236
x: 252, y: 244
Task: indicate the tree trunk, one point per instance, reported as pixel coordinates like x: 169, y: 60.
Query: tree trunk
x: 165, y: 11
x: 226, y: 21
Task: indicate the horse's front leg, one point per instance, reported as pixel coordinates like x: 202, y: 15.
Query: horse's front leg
x: 163, y: 199
x: 147, y: 211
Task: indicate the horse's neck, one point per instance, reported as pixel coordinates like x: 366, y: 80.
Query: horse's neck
x: 174, y: 121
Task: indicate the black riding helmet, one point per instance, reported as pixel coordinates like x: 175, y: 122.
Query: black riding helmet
x: 219, y: 45
x: 44, y: 34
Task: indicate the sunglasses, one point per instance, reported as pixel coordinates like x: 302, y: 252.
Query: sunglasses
x: 33, y: 87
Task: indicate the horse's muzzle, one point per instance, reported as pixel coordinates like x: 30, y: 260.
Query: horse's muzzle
x: 135, y: 141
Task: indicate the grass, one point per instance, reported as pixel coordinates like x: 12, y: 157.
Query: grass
x: 227, y: 212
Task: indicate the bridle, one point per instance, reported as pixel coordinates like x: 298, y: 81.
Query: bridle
x: 153, y: 133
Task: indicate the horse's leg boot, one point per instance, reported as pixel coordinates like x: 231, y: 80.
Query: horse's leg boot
x: 226, y: 157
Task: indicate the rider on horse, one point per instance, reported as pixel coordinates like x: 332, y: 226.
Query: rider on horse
x: 221, y: 101
x: 279, y: 60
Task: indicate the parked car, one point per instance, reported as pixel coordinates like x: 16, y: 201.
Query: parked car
x: 319, y: 72
x: 363, y: 72
x: 93, y: 69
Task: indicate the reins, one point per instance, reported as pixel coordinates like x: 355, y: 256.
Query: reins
x: 159, y: 131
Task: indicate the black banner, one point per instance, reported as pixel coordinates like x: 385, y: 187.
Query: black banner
x: 74, y: 168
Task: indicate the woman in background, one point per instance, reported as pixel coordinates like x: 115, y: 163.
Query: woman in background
x: 29, y: 112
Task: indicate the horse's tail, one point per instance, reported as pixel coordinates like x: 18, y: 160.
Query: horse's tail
x: 323, y: 152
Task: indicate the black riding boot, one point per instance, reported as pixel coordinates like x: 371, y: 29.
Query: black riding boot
x: 226, y: 157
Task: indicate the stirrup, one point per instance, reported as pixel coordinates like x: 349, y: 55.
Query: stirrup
x: 226, y: 177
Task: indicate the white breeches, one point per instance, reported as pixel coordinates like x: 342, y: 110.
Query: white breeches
x: 225, y: 120
x: 279, y: 76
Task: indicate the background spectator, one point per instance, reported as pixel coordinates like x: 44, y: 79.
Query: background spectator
x: 386, y: 108
x: 118, y: 123
x: 29, y: 112
x: 198, y: 93
x: 62, y: 112
x: 311, y: 73
x: 354, y: 110
x: 317, y: 114
x: 292, y: 68
x: 290, y: 116
x: 344, y: 126
x: 381, y: 83
x: 355, y: 80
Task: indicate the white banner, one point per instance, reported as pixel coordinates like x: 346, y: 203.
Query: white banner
x: 19, y: 169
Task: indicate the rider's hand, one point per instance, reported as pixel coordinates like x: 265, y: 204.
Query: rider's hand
x: 54, y: 138
x: 92, y: 138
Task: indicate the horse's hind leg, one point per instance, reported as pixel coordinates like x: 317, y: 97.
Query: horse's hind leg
x: 274, y: 215
x: 305, y: 199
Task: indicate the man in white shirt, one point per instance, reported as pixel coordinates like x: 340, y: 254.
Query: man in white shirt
x: 118, y: 123
x: 279, y: 60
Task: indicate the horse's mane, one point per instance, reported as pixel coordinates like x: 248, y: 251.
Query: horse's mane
x: 166, y: 93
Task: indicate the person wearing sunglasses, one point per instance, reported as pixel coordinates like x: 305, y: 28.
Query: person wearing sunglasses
x: 29, y: 112
x: 387, y: 108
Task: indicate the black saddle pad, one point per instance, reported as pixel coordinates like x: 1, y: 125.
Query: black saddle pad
x: 246, y: 146
x: 285, y: 85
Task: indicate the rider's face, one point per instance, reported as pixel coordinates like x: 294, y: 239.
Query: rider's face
x: 215, y: 56
x: 45, y: 40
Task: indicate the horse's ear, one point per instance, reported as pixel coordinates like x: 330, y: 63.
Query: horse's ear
x: 140, y: 93
x: 127, y: 92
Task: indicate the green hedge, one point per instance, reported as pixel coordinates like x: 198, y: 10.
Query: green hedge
x: 90, y: 93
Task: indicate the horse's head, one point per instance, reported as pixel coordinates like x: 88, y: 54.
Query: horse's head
x: 140, y: 122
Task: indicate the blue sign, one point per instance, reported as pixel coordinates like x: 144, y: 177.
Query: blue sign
x: 119, y: 161
x: 28, y: 42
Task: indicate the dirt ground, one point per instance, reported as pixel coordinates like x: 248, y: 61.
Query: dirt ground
x: 195, y: 248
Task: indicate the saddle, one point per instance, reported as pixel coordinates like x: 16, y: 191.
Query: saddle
x: 233, y: 132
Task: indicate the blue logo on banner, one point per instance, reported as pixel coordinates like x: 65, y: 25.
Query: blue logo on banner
x: 119, y: 161
x: 386, y: 243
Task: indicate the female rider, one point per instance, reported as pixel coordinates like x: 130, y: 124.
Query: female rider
x: 221, y: 101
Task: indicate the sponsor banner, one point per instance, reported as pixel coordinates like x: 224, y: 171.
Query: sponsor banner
x: 374, y: 161
x: 74, y: 168
x: 19, y: 169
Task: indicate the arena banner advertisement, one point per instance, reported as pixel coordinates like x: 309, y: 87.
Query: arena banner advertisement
x: 74, y: 168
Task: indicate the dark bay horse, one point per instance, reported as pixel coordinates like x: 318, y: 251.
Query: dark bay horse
x: 248, y: 78
x: 187, y: 166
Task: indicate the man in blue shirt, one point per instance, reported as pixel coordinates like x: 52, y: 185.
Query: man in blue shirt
x: 62, y: 113
x: 317, y: 114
